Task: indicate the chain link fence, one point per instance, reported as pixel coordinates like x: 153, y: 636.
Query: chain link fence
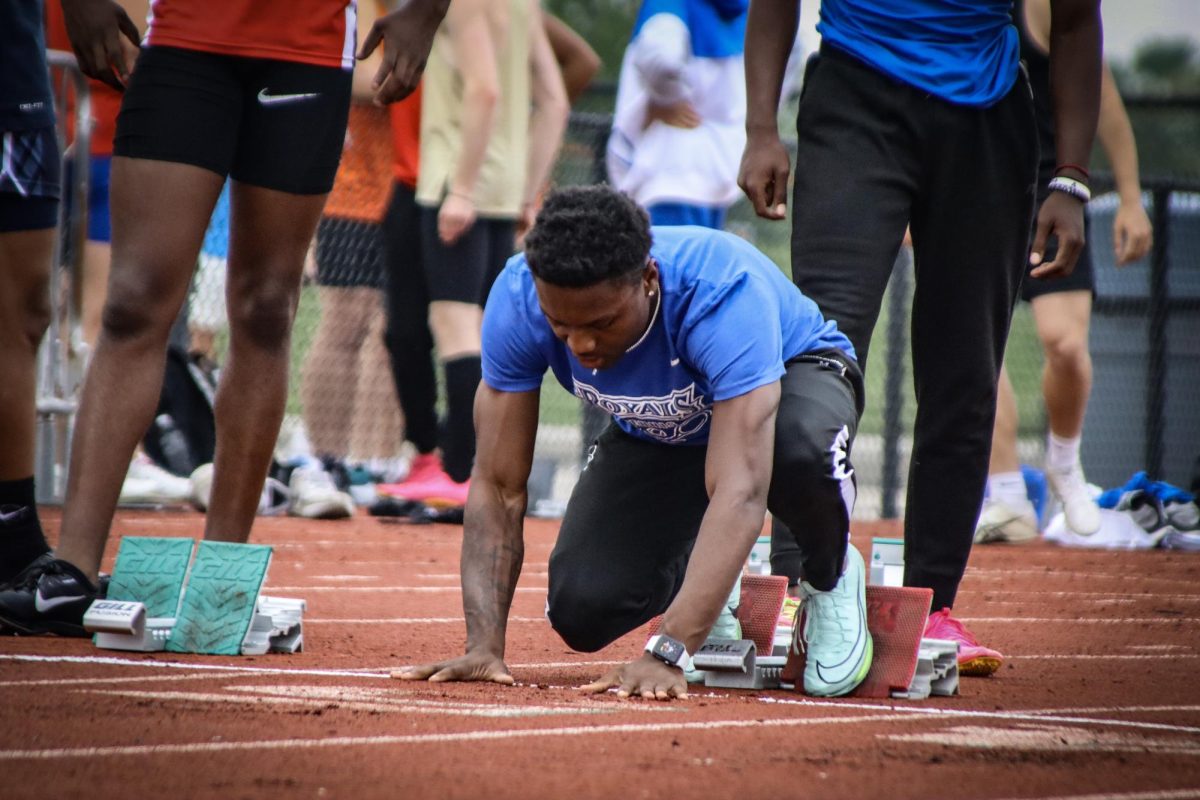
x: 1145, y: 340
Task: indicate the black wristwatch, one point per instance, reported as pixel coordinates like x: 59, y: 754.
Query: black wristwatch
x: 667, y: 650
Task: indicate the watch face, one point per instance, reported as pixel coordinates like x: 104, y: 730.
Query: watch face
x: 668, y: 650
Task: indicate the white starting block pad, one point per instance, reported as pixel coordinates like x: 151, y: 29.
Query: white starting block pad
x: 160, y: 598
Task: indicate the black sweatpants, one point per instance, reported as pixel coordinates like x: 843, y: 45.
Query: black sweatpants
x: 874, y: 155
x: 635, y: 513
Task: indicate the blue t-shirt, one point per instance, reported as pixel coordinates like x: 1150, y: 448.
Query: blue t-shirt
x: 728, y: 321
x: 963, y: 51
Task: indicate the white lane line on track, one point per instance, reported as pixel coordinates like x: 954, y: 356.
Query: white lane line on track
x: 1115, y: 710
x: 110, y: 680
x: 1160, y: 794
x: 404, y: 620
x: 1155, y: 596
x: 1106, y: 657
x: 1032, y: 715
x: 977, y: 573
x: 438, y: 738
x: 378, y: 672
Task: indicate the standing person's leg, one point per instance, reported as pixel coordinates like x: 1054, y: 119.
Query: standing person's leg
x: 970, y: 256
x: 1007, y: 514
x: 283, y: 169
x: 27, y: 230
x: 812, y: 494
x: 409, y: 342
x: 377, y: 430
x: 856, y: 173
x: 97, y: 251
x: 159, y: 212
x: 625, y: 540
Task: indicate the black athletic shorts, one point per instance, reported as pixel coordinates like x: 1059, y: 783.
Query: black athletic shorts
x: 465, y: 271
x: 275, y: 124
x: 30, y: 175
x: 1081, y: 279
x: 349, y: 253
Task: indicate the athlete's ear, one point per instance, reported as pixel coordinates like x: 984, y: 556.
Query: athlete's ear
x: 650, y: 276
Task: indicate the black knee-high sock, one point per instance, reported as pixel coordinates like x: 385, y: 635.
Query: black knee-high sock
x: 21, y: 537
x: 458, y: 448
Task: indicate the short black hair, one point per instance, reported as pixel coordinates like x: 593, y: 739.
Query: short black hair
x: 585, y: 235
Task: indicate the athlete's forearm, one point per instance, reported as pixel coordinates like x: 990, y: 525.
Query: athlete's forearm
x: 1116, y: 137
x: 1075, y: 51
x: 770, y: 32
x: 492, y: 553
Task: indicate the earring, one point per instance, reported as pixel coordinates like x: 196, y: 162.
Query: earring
x: 650, y: 293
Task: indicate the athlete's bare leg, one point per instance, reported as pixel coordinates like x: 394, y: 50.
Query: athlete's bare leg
x: 1062, y: 321
x: 1004, y: 430
x: 159, y: 210
x: 269, y: 235
x: 24, y: 315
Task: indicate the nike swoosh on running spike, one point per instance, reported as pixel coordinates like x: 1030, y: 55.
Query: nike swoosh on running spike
x: 43, y: 604
x: 855, y: 656
x: 279, y: 99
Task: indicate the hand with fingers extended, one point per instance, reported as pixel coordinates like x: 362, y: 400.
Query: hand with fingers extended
x: 473, y: 666
x: 763, y: 175
x: 647, y: 678
x: 407, y: 37
x: 1061, y: 216
x: 104, y: 38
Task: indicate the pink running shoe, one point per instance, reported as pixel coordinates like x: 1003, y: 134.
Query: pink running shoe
x: 424, y: 467
x: 973, y: 658
x: 438, y: 489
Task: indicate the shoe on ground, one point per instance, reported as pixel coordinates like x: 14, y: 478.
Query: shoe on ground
x: 316, y: 496
x: 21, y: 541
x: 274, y: 500
x: 431, y: 488
x: 147, y: 483
x: 51, y: 598
x: 424, y: 467
x: 1079, y: 507
x: 832, y: 630
x: 973, y: 658
x: 1000, y: 521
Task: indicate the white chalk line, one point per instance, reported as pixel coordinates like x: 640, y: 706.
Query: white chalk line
x: 1032, y: 715
x: 1160, y: 794
x: 1040, y: 595
x: 435, y: 738
x: 404, y: 620
x: 990, y: 574
x: 377, y: 589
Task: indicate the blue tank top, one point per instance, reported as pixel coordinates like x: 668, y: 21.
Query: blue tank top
x: 25, y: 99
x: 963, y: 51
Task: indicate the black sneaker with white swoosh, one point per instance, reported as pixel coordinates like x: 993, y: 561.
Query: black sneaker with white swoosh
x: 51, y: 599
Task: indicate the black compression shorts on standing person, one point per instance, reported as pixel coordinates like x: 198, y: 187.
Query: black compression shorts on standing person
x: 465, y: 271
x: 349, y: 253
x: 29, y: 180
x: 274, y: 124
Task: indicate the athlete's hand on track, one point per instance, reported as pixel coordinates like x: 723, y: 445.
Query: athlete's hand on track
x: 764, y: 174
x: 104, y: 38
x: 1132, y: 233
x: 407, y: 36
x: 455, y: 217
x: 469, y: 667
x: 1061, y: 216
x: 647, y: 678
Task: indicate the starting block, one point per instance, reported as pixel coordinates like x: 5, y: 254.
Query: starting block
x: 156, y: 603
x: 734, y: 664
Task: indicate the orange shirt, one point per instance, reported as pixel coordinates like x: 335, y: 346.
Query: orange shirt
x: 406, y: 138
x: 106, y: 101
x: 317, y: 32
x: 361, y: 186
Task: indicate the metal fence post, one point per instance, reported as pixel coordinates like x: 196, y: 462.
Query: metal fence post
x: 1156, y: 363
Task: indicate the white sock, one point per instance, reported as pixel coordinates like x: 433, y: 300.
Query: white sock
x: 1061, y: 454
x: 1007, y: 487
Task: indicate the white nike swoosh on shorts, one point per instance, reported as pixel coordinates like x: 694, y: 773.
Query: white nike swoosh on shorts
x: 279, y: 99
x: 43, y: 605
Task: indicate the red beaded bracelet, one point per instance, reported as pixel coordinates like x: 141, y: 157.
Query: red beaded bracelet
x: 1083, y: 171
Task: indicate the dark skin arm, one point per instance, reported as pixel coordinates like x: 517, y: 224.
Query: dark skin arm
x: 493, y: 535
x: 407, y: 36
x: 1075, y: 59
x: 741, y: 447
x: 104, y: 38
x: 576, y: 58
x: 770, y: 32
